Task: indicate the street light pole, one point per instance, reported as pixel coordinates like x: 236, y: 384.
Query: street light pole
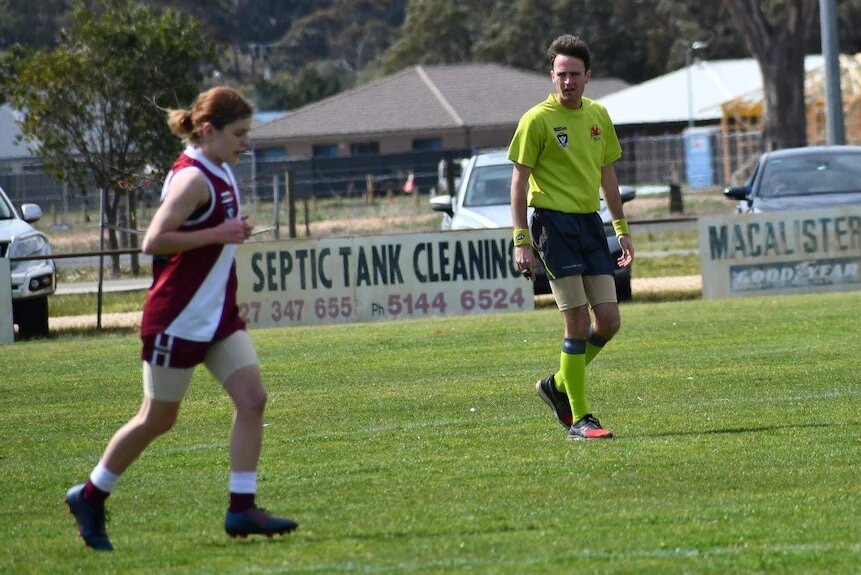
x: 834, y: 123
x: 693, y: 47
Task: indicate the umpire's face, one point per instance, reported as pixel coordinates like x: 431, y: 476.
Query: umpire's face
x: 570, y: 76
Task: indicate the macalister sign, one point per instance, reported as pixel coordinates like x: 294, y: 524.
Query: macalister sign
x: 338, y: 280
x: 781, y: 252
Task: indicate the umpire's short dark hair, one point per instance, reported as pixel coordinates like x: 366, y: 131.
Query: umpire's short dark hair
x: 572, y: 46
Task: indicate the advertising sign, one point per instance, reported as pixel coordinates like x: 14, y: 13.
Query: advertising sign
x: 339, y: 280
x: 781, y: 252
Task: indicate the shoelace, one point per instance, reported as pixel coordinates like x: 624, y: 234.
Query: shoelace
x: 590, y: 420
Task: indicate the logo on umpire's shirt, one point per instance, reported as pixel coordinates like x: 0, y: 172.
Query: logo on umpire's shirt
x: 595, y: 133
x: 562, y: 138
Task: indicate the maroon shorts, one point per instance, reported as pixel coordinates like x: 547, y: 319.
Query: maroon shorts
x: 170, y: 351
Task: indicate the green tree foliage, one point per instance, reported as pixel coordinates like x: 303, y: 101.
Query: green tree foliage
x: 434, y: 32
x: 94, y: 105
x: 848, y: 16
x: 286, y: 92
x: 631, y: 39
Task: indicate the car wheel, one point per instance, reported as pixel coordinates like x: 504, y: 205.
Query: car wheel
x: 623, y: 289
x: 31, y: 315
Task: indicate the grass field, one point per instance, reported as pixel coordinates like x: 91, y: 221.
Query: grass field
x: 421, y: 447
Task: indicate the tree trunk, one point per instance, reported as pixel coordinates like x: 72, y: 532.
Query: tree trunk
x: 111, y: 210
x: 784, y: 115
x: 133, y: 226
x: 778, y: 45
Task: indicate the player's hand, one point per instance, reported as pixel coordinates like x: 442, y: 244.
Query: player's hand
x: 249, y: 227
x: 524, y: 259
x: 627, y: 251
x: 233, y: 231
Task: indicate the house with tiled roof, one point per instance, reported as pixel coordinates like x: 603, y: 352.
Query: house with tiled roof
x: 417, y: 109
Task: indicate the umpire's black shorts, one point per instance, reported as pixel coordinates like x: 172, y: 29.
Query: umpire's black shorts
x: 571, y: 244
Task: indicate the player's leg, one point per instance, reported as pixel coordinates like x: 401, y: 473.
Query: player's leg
x: 164, y: 388
x: 601, y: 292
x: 569, y: 293
x: 553, y: 389
x: 572, y: 362
x: 233, y: 362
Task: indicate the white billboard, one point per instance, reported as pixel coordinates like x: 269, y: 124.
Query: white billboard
x: 387, y: 277
x: 781, y: 252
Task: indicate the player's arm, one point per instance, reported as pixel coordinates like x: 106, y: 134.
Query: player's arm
x: 523, y: 257
x: 188, y: 190
x: 613, y: 199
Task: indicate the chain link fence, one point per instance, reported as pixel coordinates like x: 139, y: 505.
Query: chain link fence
x: 702, y: 158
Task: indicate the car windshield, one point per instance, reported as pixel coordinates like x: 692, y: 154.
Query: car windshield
x: 489, y: 186
x: 811, y: 175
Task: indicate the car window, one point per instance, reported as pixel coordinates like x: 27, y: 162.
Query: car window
x: 5, y: 210
x: 488, y: 186
x: 811, y: 175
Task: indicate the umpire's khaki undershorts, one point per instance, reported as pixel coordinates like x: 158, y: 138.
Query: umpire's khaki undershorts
x: 222, y: 360
x: 575, y: 291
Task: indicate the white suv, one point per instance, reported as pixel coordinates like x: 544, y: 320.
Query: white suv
x: 33, y: 280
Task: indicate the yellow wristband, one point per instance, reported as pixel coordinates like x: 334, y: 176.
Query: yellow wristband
x: 621, y: 227
x: 521, y: 237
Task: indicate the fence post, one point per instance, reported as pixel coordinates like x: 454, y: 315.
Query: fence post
x: 291, y: 203
x: 65, y: 201
x: 676, y: 206
x: 100, y: 293
x: 449, y: 176
x: 369, y: 189
x: 7, y: 330
x: 276, y: 202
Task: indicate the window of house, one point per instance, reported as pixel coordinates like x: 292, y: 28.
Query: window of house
x: 364, y: 148
x: 422, y: 144
x: 325, y: 151
x: 270, y: 154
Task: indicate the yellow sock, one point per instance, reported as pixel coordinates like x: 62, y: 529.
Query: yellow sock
x: 572, y: 375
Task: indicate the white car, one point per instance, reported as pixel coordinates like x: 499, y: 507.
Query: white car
x: 33, y: 280
x: 483, y: 200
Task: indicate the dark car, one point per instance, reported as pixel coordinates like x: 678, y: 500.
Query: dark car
x: 801, y: 179
x: 483, y: 200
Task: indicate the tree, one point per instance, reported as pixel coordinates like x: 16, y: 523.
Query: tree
x: 434, y: 32
x: 516, y: 25
x: 93, y: 107
x: 776, y: 31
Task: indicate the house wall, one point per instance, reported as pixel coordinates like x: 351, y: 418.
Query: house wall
x: 399, y: 143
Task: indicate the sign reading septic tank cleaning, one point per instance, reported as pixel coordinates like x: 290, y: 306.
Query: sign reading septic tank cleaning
x: 781, y: 252
x: 338, y: 280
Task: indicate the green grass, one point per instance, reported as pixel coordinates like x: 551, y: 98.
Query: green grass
x: 87, y: 303
x: 662, y: 240
x: 667, y: 266
x: 420, y: 447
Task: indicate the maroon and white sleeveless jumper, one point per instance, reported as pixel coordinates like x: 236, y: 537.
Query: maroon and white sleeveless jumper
x: 193, y: 294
